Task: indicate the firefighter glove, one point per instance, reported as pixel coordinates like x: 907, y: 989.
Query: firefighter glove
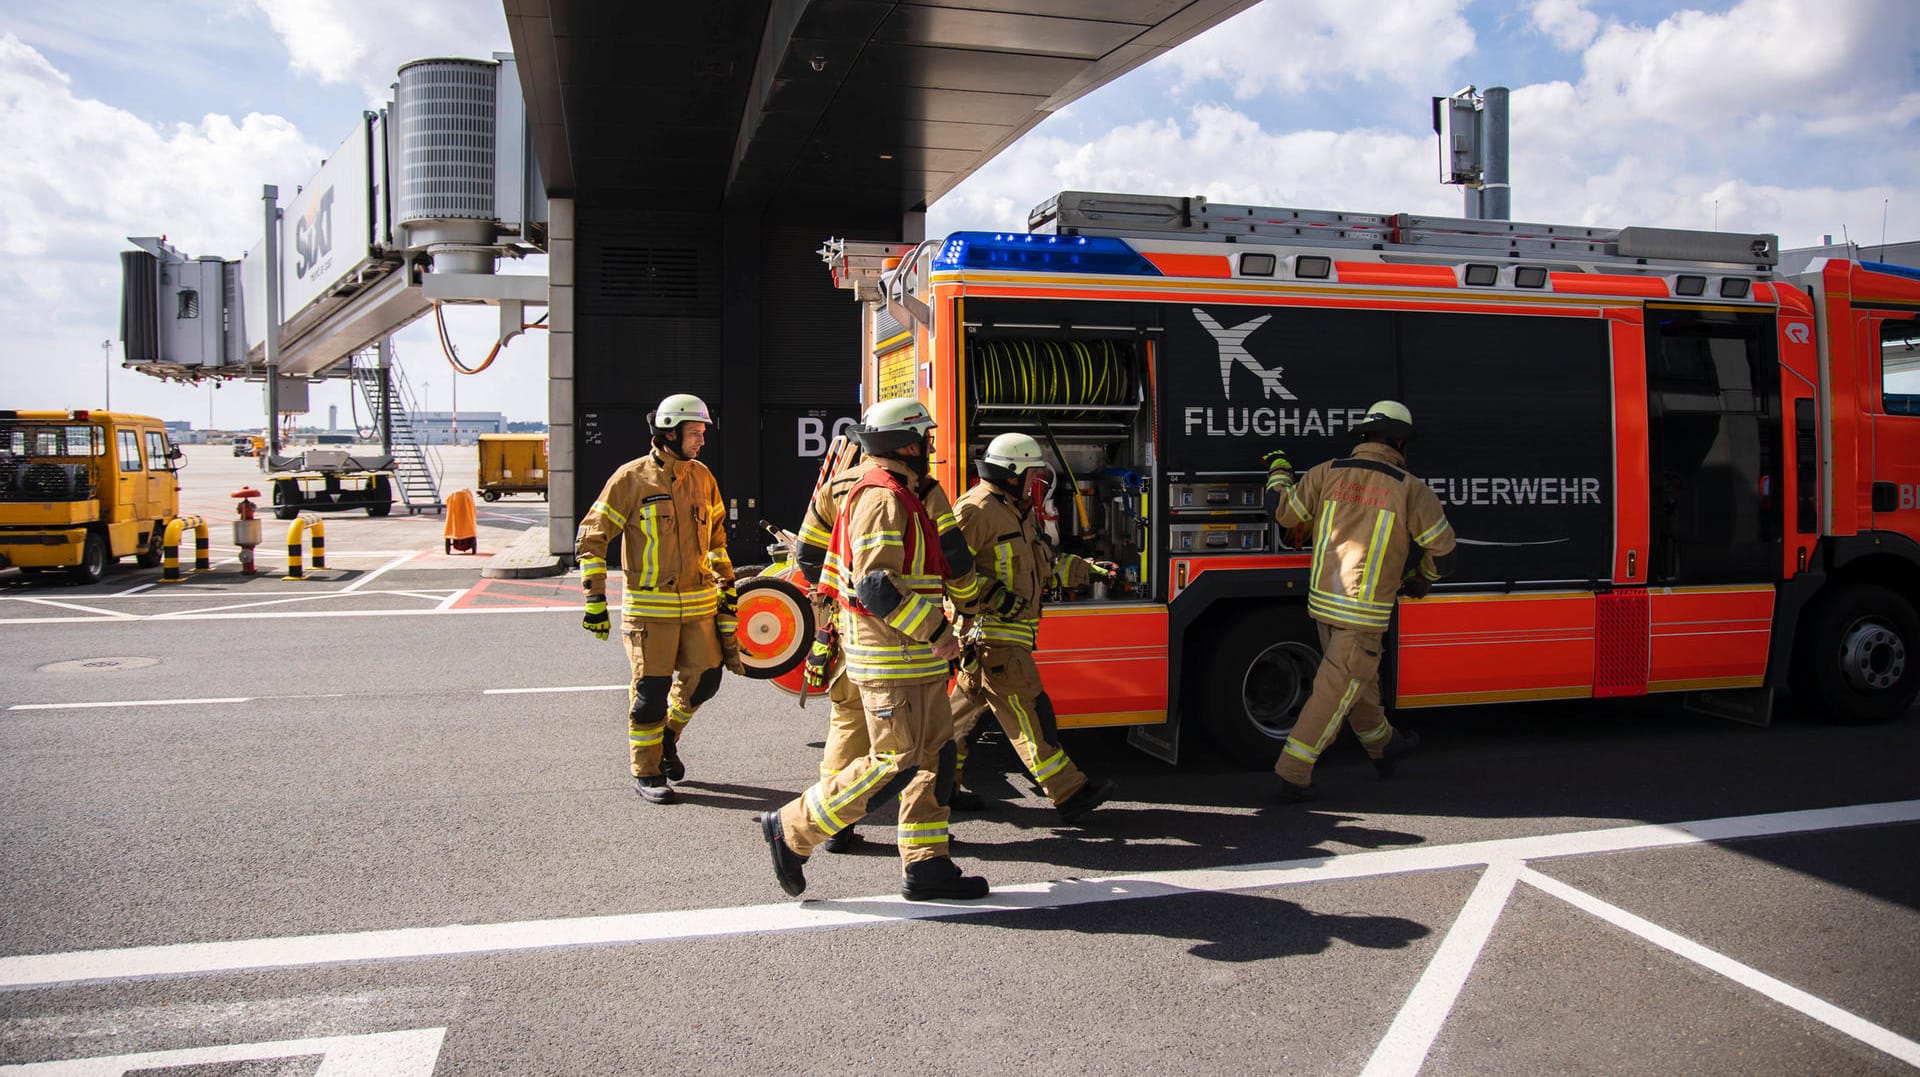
x: 1102, y: 570
x: 1415, y: 585
x: 1007, y: 604
x: 730, y: 654
x: 1279, y: 470
x: 729, y: 599
x: 819, y: 660
x: 596, y: 620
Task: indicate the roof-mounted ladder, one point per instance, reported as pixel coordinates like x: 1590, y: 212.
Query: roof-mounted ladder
x: 1094, y: 214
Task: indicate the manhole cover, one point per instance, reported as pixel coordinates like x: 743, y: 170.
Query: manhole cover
x: 98, y: 665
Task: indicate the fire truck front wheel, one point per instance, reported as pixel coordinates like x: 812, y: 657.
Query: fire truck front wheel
x: 1861, y: 657
x: 1256, y: 675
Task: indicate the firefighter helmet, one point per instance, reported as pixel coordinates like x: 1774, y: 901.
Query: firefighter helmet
x: 1387, y: 419
x: 680, y: 408
x: 1010, y: 456
x: 894, y: 424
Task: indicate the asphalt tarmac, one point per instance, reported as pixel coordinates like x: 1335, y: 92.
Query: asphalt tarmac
x: 378, y: 821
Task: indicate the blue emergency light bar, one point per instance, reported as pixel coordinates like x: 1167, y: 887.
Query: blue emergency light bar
x: 1888, y: 267
x: 1048, y: 253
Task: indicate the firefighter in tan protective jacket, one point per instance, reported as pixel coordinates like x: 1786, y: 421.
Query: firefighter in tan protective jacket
x: 1017, y: 563
x: 1370, y: 516
x: 885, y: 568
x: 847, y: 738
x: 677, y: 623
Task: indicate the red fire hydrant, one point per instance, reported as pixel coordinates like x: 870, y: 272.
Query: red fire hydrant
x: 246, y: 529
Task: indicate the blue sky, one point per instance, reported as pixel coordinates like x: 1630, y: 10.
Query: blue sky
x: 129, y: 117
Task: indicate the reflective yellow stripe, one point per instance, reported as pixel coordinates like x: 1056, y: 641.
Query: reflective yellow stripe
x: 1382, y: 732
x: 875, y: 540
x: 1023, y: 633
x: 1339, y: 713
x: 1299, y: 507
x: 912, y: 614
x: 671, y: 605
x: 1427, y: 537
x: 619, y: 518
x: 812, y: 535
x: 1376, y: 554
x: 1342, y: 615
x: 651, y: 735
x: 964, y: 592
x: 1051, y: 765
x: 591, y: 566
x: 1003, y: 563
x: 922, y: 834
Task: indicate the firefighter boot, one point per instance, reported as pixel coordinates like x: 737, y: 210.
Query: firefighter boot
x: 967, y: 800
x: 670, y: 766
x: 1289, y: 793
x: 653, y: 789
x: 1403, y: 744
x: 845, y: 841
x: 939, y: 879
x: 1096, y: 792
x: 788, y: 866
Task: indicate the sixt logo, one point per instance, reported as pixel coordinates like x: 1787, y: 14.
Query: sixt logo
x: 313, y: 235
x: 1233, y: 352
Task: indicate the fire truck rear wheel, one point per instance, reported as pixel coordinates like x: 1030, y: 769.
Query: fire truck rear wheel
x: 93, y: 561
x: 1256, y: 676
x: 151, y: 556
x: 1861, y: 661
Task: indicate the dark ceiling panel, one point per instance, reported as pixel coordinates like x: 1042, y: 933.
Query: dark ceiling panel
x: 877, y: 104
x: 1082, y: 39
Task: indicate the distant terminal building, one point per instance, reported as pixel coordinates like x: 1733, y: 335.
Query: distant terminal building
x: 438, y: 427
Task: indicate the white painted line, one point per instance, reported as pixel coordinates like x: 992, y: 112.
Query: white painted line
x: 77, y: 606
x: 127, y: 703
x: 448, y: 602
x: 132, y: 590
x: 186, y: 615
x: 1779, y: 991
x: 381, y: 571
x: 573, y: 688
x: 192, y: 959
x: 311, y: 596
x: 1403, y: 1050
x: 410, y: 1053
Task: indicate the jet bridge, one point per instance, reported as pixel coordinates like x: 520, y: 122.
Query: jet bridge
x: 418, y: 205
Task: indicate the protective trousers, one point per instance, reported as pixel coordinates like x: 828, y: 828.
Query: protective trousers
x: 669, y: 660
x: 1007, y: 680
x: 1345, y: 688
x: 846, y: 725
x: 911, y: 752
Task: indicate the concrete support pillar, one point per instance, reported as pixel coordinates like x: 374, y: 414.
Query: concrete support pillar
x: 560, y: 399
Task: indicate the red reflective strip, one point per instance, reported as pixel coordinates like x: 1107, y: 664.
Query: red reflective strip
x: 1381, y: 273
x: 1603, y: 284
x: 1190, y: 265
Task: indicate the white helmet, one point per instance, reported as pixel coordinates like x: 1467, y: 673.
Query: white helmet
x: 893, y: 424
x: 1389, y: 419
x: 680, y: 408
x: 1010, y: 456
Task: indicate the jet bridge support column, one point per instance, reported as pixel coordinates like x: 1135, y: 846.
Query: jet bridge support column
x: 561, y: 429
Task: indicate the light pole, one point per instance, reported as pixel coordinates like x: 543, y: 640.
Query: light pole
x: 106, y: 354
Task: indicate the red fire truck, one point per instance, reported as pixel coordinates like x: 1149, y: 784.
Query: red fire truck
x: 1671, y: 467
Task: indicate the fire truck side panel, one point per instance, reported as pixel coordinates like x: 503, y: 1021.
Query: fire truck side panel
x: 1631, y: 500
x: 1105, y: 665
x: 1457, y: 649
x: 1895, y: 494
x: 1709, y: 638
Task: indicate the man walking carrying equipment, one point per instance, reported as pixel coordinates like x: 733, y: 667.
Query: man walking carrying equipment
x: 847, y: 738
x: 1378, y: 529
x: 1000, y: 674
x: 885, y: 568
x: 666, y: 509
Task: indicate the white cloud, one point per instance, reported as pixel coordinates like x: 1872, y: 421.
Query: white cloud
x: 78, y: 178
x: 1567, y: 23
x: 1214, y: 151
x: 1314, y: 44
x: 364, y: 42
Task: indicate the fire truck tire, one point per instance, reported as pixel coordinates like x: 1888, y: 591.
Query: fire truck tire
x: 93, y: 561
x: 490, y: 495
x: 1861, y: 659
x: 1256, y: 675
